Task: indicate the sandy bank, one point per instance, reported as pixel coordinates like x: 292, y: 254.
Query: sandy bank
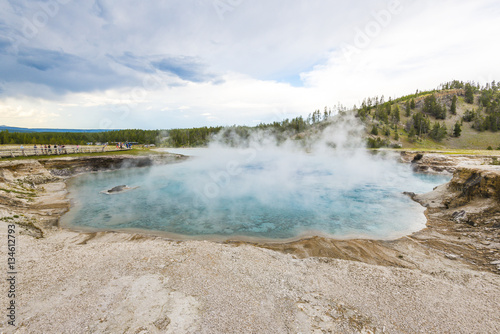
x: 438, y: 280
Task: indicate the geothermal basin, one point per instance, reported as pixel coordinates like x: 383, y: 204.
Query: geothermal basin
x: 256, y: 194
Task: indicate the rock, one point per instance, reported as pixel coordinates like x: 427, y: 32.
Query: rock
x: 495, y: 262
x: 417, y: 157
x: 430, y: 162
x: 69, y: 166
x: 117, y: 189
x: 410, y: 194
x: 471, y: 223
x: 460, y: 217
x: 162, y: 323
x: 471, y: 183
x: 451, y: 256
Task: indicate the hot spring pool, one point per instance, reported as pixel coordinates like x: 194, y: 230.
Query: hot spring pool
x: 249, y: 195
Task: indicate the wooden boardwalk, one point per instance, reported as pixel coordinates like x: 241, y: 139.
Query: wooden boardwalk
x: 25, y: 152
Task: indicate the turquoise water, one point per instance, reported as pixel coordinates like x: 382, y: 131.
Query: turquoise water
x: 242, y: 196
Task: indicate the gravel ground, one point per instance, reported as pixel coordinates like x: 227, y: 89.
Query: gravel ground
x: 120, y: 283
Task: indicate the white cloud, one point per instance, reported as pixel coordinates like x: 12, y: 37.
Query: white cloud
x: 179, y: 64
x: 19, y: 113
x: 425, y: 45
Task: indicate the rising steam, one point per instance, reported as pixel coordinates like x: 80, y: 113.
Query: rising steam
x: 261, y: 186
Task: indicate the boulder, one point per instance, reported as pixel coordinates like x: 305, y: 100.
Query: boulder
x: 460, y: 217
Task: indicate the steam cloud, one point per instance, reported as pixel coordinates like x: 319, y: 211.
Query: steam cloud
x: 262, y: 187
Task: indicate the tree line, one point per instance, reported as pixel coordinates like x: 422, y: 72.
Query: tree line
x: 79, y: 138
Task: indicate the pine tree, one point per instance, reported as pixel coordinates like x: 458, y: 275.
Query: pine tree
x: 412, y: 134
x: 457, y: 130
x: 407, y: 108
x: 421, y: 123
x: 469, y: 93
x: 453, y: 107
x: 438, y: 131
x: 412, y: 104
x: 395, y: 115
x: 433, y: 107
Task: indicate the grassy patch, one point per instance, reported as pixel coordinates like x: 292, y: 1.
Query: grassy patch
x: 448, y: 151
x: 495, y: 161
x: 31, y: 194
x: 28, y: 224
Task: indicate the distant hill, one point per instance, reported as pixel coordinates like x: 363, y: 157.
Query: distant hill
x: 456, y: 115
x: 30, y: 130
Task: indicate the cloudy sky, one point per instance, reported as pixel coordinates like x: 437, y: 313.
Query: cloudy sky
x: 171, y: 63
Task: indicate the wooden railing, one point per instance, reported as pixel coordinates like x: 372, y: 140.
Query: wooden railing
x: 18, y: 152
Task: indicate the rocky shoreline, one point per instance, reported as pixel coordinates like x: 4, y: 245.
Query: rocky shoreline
x: 463, y: 220
x: 32, y: 192
x: 444, y: 278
